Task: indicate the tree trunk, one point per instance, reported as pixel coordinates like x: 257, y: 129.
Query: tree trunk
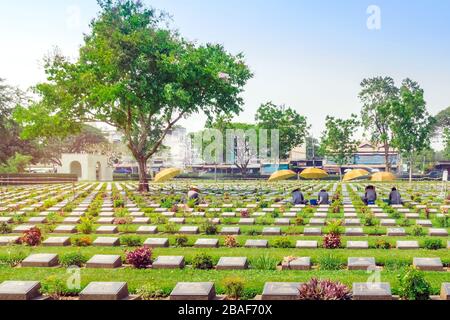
x: 410, y: 169
x: 143, y: 179
x: 340, y: 173
x: 386, y: 157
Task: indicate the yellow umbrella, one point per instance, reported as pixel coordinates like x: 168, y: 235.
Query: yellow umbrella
x: 383, y: 176
x: 282, y: 175
x: 354, y: 174
x: 167, y: 174
x: 313, y: 173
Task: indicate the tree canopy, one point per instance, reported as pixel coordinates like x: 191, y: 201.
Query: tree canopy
x: 139, y: 76
x: 377, y: 95
x: 292, y: 126
x: 412, y: 125
x: 338, y: 143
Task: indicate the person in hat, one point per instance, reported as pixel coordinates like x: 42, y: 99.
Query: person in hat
x: 194, y: 194
x: 323, y: 197
x: 297, y: 197
x: 395, y: 197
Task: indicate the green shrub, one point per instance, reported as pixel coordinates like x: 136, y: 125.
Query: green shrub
x: 265, y: 262
x: 282, y: 243
x: 383, y: 244
x: 150, y: 292
x: 443, y: 222
x: 234, y: 287
x: 72, y: 259
x: 209, y: 228
x: 252, y: 232
x: 55, y: 287
x: 433, y: 244
x: 181, y: 240
x: 83, y: 242
x: 413, y: 286
x: 86, y: 226
x: 202, y: 261
x: 170, y: 228
x: 417, y: 231
x: 13, y: 258
x: 131, y: 241
x: 330, y: 262
x: 5, y: 228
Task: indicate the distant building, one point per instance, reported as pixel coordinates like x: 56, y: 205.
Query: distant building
x: 369, y: 157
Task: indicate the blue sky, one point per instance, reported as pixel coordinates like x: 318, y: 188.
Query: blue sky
x: 310, y: 55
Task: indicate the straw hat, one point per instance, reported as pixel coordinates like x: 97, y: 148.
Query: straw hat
x: 194, y: 188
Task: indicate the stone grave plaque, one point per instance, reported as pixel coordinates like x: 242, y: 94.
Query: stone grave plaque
x: 106, y: 242
x: 20, y: 290
x: 271, y: 232
x: 169, y: 262
x: 57, y: 242
x: 445, y: 291
x: 99, y: 291
x: 64, y: 229
x: 107, y: 230
x: 357, y: 245
x: 207, y: 243
x: 372, y: 291
x: 428, y: 264
x: 189, y: 230
x: 193, y: 291
x: 405, y: 245
x: 40, y: 260
x: 232, y: 263
x: 306, y: 244
x: 361, y: 263
x: 302, y: 263
x: 157, y: 243
x: 396, y: 232
x: 257, y: 244
x: 354, y: 232
x: 104, y: 261
x: 147, y: 230
x: 312, y: 231
x: 228, y: 231
x: 434, y: 232
x: 281, y: 291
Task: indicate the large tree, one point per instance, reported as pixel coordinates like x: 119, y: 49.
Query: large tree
x: 377, y: 95
x: 138, y: 76
x: 447, y: 144
x: 88, y: 140
x: 412, y: 125
x: 338, y: 143
x: 10, y: 142
x: 292, y: 126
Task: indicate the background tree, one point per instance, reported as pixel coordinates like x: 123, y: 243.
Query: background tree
x: 138, y: 76
x: 412, y: 126
x: 292, y: 127
x: 442, y: 121
x: 16, y: 164
x: 337, y: 142
x: 238, y: 146
x: 447, y: 144
x: 312, y: 148
x: 88, y: 140
x: 10, y: 142
x: 377, y: 95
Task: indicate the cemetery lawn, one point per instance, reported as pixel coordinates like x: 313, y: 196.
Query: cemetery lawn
x: 392, y: 260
